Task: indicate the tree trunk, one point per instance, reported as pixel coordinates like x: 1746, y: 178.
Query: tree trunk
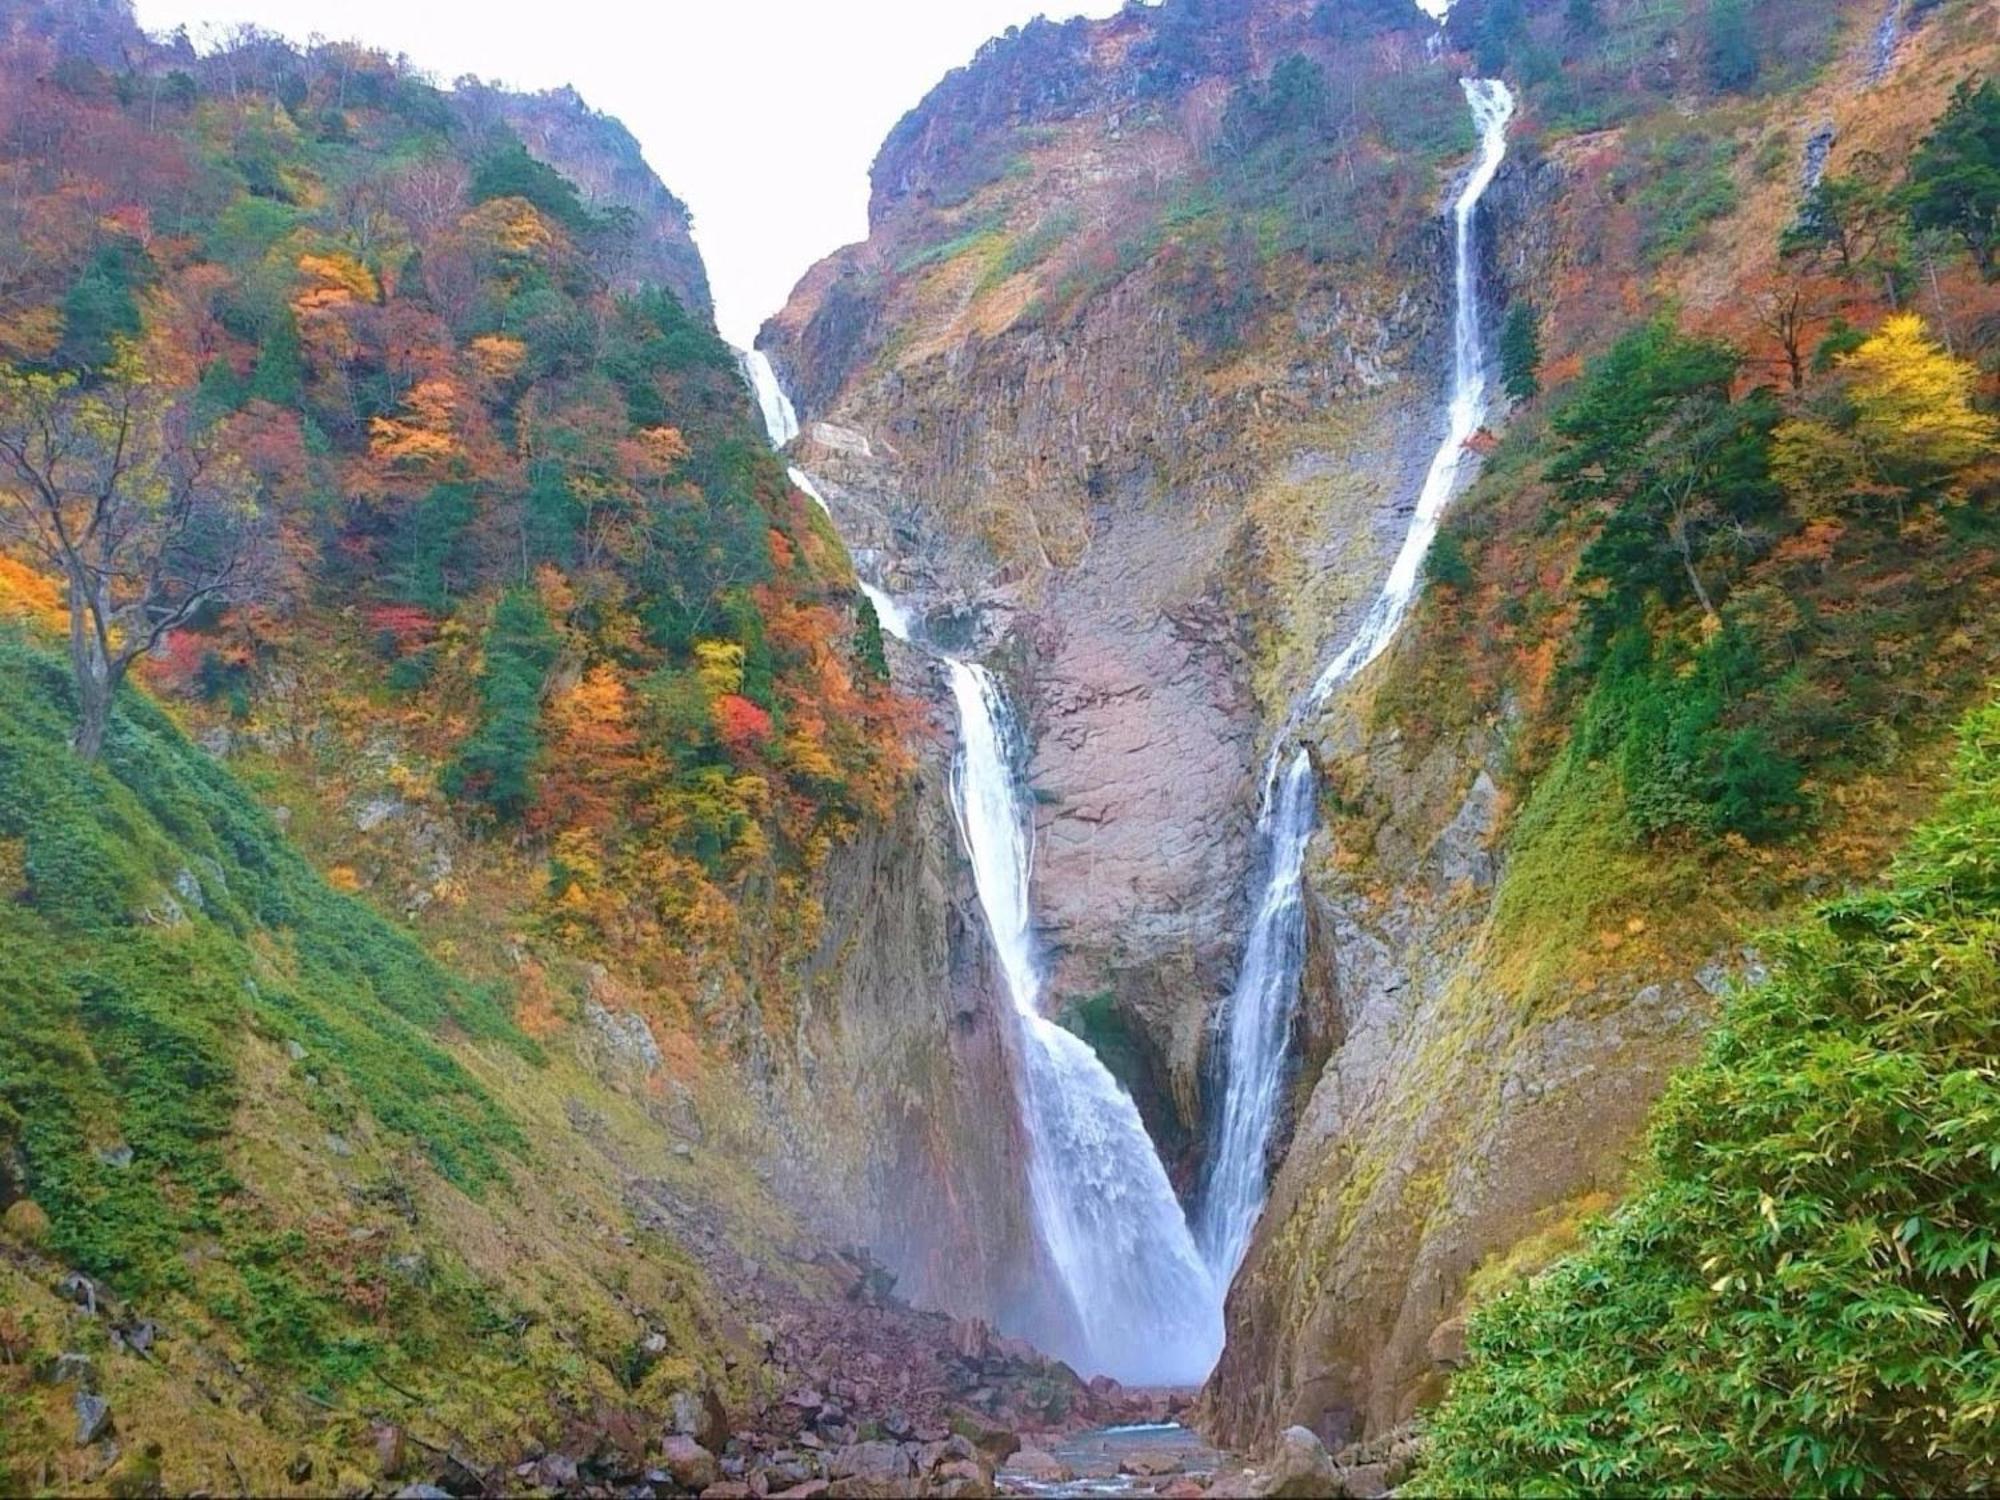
x: 1678, y: 530
x: 93, y: 700
x: 96, y: 678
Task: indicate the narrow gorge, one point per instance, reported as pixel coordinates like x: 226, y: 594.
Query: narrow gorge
x: 1290, y: 792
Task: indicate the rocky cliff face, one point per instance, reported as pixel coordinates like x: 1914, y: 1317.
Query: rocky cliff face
x: 601, y: 157
x: 1157, y: 489
x: 1459, y: 1118
x: 897, y: 1125
x: 1504, y: 988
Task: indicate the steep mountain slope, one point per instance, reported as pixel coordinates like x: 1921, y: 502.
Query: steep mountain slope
x: 637, y: 987
x: 1847, y: 1343
x: 1568, y: 803
x: 1133, y: 371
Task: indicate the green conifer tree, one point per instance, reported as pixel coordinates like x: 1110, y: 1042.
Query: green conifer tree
x: 1521, y: 351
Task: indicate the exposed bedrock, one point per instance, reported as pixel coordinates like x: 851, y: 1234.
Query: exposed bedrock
x: 1157, y: 559
x: 896, y: 1124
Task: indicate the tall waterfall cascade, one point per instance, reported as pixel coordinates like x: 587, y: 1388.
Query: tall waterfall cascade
x: 781, y: 420
x: 1257, y: 1021
x: 1135, y: 1297
x: 1144, y: 1306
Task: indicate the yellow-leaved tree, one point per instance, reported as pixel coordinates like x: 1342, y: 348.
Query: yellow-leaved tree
x: 118, y: 490
x: 1902, y: 424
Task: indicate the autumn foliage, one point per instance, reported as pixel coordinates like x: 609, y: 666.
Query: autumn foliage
x: 517, y: 515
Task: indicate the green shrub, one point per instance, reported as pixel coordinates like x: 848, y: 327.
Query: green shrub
x: 1801, y: 1297
x: 1521, y: 351
x: 1446, y: 564
x: 1683, y: 185
x: 511, y: 172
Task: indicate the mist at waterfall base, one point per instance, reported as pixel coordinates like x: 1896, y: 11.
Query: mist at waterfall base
x: 1135, y: 1300
x: 1257, y: 1022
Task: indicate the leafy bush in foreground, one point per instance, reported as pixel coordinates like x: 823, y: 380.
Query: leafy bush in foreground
x: 1802, y: 1296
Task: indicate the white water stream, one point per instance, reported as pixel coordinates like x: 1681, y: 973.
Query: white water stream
x: 781, y: 421
x: 1136, y: 1297
x: 1257, y: 1023
x: 1144, y: 1306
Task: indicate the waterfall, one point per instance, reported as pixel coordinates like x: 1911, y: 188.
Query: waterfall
x: 893, y: 617
x: 781, y: 421
x: 1257, y: 1021
x: 1136, y: 1297
x: 1144, y: 1307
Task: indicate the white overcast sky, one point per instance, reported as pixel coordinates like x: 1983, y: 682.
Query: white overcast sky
x: 762, y: 114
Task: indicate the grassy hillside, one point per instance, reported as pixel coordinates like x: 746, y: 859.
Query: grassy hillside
x: 340, y: 1181
x: 1800, y: 1297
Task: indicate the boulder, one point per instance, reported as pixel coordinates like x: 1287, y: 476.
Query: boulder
x: 728, y: 1489
x: 872, y: 1460
x: 811, y: 1489
x: 1041, y: 1466
x: 389, y: 1449
x: 1016, y: 1351
x: 1365, y: 1481
x: 555, y: 1471
x: 872, y: 1471
x: 93, y: 1419
x: 1301, y: 1469
x: 139, y: 1335
x: 692, y: 1465
x: 1151, y: 1465
x: 1447, y: 1343
x: 997, y: 1443
x: 699, y: 1415
x: 962, y: 1479
x: 787, y: 1471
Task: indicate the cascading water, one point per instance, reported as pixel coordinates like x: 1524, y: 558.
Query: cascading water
x: 893, y: 617
x: 1136, y: 1297
x: 781, y: 421
x: 1258, y: 1020
x: 1144, y: 1306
